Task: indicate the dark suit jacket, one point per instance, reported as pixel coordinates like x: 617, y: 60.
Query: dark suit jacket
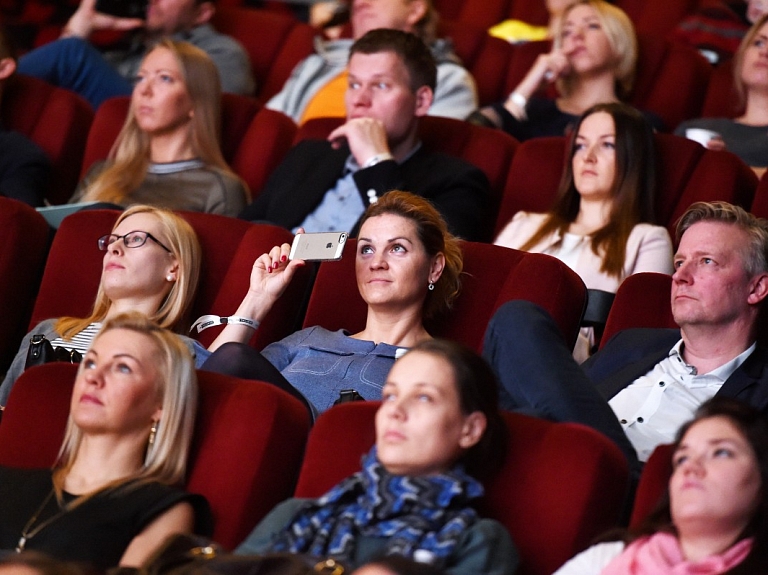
x: 458, y: 190
x: 633, y: 352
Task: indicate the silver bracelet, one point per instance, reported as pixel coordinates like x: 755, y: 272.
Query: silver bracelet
x: 377, y: 159
x: 519, y: 100
x: 206, y: 321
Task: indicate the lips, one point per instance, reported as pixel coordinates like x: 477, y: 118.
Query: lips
x: 86, y: 398
x: 393, y: 435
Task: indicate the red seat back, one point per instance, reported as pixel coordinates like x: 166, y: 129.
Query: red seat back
x: 549, y: 524
x: 55, y: 119
x: 492, y: 275
x: 242, y: 429
x: 653, y: 484
x: 686, y: 173
x: 25, y: 236
x: 642, y: 300
x: 275, y: 43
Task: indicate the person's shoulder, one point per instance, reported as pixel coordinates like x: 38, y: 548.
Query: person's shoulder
x: 645, y: 230
x: 593, y: 559
x: 520, y: 229
x: 485, y: 547
x: 706, y: 123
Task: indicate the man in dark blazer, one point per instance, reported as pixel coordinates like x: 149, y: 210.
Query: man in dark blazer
x: 645, y: 383
x: 326, y: 185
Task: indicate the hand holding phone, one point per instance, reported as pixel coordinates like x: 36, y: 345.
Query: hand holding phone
x: 320, y: 246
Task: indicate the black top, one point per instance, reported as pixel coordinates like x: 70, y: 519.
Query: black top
x: 24, y: 169
x: 95, y: 532
x: 544, y: 118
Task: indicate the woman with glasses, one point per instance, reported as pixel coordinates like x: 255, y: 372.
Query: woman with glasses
x: 167, y: 153
x: 151, y: 265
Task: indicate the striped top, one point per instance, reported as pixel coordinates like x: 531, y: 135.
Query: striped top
x: 81, y: 341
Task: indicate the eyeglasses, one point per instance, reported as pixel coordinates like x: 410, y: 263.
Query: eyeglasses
x: 134, y: 239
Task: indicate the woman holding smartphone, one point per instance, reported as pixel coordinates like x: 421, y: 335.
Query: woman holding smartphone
x: 407, y: 268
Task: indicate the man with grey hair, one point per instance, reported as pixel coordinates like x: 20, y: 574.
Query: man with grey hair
x: 645, y: 383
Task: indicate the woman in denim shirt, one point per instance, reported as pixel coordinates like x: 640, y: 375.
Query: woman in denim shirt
x: 407, y: 268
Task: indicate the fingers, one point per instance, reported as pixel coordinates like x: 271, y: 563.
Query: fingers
x: 277, y: 257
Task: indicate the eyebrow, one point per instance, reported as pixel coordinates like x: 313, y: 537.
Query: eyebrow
x: 389, y: 241
x: 601, y: 137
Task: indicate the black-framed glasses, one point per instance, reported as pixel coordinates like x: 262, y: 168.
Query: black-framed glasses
x: 134, y: 239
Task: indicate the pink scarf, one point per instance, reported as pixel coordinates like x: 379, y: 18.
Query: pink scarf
x: 660, y: 554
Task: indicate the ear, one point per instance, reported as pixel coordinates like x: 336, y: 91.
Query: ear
x: 416, y: 11
x: 7, y: 68
x: 473, y: 429
x: 437, y: 267
x: 759, y: 289
x: 205, y: 12
x: 157, y: 415
x: 424, y: 97
x: 173, y: 271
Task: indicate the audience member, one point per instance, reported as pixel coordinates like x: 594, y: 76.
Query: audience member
x: 592, y: 61
x: 316, y: 84
x: 326, y: 185
x: 714, y: 518
x: 412, y: 497
x: 746, y: 135
x: 151, y: 264
x: 407, y: 268
x: 71, y: 62
x: 644, y: 383
x: 716, y: 27
x: 112, y: 496
x: 599, y: 224
x: 24, y: 167
x: 167, y: 153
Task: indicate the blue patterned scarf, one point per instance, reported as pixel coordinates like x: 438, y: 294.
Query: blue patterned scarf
x: 412, y: 513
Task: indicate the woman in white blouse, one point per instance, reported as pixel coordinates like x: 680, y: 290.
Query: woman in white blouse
x: 600, y: 224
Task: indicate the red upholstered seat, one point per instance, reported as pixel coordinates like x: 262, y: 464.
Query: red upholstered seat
x: 721, y: 99
x: 275, y: 43
x: 490, y: 150
x: 652, y: 16
x: 760, y: 203
x: 243, y: 428
x: 253, y: 140
x: 55, y: 119
x: 492, y: 275
x: 549, y: 521
x: 653, y: 484
x: 687, y: 172
x: 642, y: 300
x: 229, y: 248
x: 24, y: 235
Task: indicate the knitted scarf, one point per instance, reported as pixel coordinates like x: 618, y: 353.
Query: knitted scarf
x: 413, y: 513
x: 660, y: 554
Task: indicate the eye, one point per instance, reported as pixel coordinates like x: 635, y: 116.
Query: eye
x: 424, y: 398
x: 594, y: 26
x: 707, y: 261
x: 138, y: 78
x: 353, y: 85
x: 366, y: 250
x: 677, y: 263
x: 399, y: 248
x: 387, y: 396
x: 167, y: 78
x: 679, y: 460
x: 609, y: 145
x: 382, y: 85
x: 123, y: 368
x: 578, y: 146
x: 88, y: 363
x: 723, y: 452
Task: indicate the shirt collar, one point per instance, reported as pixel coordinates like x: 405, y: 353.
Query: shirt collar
x: 721, y: 373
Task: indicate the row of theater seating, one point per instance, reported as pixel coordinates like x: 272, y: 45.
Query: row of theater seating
x: 253, y: 447
x: 255, y: 140
x: 672, y: 79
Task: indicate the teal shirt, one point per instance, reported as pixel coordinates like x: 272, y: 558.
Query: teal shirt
x: 485, y: 548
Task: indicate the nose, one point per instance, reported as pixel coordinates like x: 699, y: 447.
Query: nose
x: 395, y: 409
x: 692, y: 465
x: 682, y: 273
x: 379, y: 261
x: 117, y: 246
x: 361, y: 98
x: 93, y: 375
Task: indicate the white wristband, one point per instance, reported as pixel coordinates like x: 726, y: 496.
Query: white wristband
x: 207, y: 321
x: 519, y: 100
x: 377, y: 159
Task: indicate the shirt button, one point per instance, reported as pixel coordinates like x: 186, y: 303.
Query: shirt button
x: 372, y: 199
x: 661, y: 384
x: 623, y: 421
x: 639, y: 419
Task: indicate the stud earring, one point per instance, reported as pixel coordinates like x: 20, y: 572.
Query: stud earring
x: 169, y: 277
x: 431, y: 286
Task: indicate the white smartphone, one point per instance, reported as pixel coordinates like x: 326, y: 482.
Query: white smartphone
x: 319, y: 246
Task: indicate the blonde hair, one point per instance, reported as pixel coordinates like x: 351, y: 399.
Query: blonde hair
x: 176, y: 383
x: 621, y: 36
x: 179, y: 236
x: 129, y: 156
x: 738, y: 59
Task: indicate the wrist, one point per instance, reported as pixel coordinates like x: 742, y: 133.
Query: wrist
x: 206, y: 321
x: 377, y: 159
x: 516, y: 104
